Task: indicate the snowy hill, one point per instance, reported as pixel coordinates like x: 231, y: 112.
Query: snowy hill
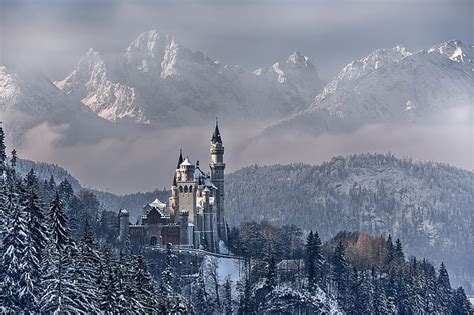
x: 157, y: 80
x: 430, y: 206
x: 390, y: 85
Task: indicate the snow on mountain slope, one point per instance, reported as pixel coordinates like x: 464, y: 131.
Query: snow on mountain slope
x: 157, y: 80
x: 390, y: 85
x: 428, y: 205
x: 28, y: 98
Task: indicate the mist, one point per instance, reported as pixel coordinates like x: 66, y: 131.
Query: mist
x: 146, y: 160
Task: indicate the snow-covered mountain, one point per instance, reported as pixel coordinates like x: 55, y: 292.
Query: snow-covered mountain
x: 159, y: 81
x: 390, y: 85
x: 29, y: 98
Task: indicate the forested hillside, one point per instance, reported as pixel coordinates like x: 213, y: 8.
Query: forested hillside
x: 430, y: 206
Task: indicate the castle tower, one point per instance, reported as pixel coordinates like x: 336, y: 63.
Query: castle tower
x: 187, y: 186
x: 217, y: 177
x: 174, y: 199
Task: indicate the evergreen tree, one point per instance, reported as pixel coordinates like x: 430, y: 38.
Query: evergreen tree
x: 390, y: 250
x: 310, y: 261
x: 107, y: 283
x: 340, y: 272
x: 35, y: 242
x: 445, y: 297
x: 380, y: 303
x: 61, y: 293
x: 461, y: 304
x: 86, y: 265
x: 271, y: 276
x: 143, y: 284
x: 3, y: 156
x: 247, y: 303
x: 398, y: 254
x: 228, y: 307
x: 13, y: 251
x: 200, y: 297
x: 59, y: 229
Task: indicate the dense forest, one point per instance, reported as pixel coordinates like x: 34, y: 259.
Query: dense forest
x: 59, y: 254
x: 428, y: 205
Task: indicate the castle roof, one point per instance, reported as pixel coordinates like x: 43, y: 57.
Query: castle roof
x: 216, y: 136
x: 157, y: 204
x: 186, y: 162
x: 180, y: 159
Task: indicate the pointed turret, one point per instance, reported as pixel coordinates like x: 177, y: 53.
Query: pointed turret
x: 217, y: 166
x: 216, y: 136
x: 180, y: 159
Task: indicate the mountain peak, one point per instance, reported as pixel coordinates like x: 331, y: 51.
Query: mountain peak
x: 455, y: 50
x: 298, y: 59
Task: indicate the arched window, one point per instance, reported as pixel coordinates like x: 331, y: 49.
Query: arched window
x: 153, y: 241
x: 190, y: 188
x: 180, y: 188
x: 185, y: 189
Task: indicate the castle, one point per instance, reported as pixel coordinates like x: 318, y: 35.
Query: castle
x: 194, y: 215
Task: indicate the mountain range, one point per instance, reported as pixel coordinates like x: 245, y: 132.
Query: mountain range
x: 390, y: 86
x: 156, y: 81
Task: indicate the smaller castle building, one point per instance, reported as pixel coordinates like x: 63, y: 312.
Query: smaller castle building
x: 194, y: 215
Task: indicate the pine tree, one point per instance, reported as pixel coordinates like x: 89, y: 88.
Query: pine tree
x: 107, y: 282
x: 59, y: 229
x: 319, y: 261
x: 86, y: 267
x: 444, y: 289
x: 171, y: 301
x: 461, y: 304
x: 380, y: 303
x: 143, y: 284
x: 126, y: 295
x: 60, y: 291
x: 340, y: 272
x: 228, y: 308
x: 13, y: 251
x: 199, y: 295
x: 3, y: 156
x: 271, y: 276
x: 310, y: 261
x: 247, y: 303
x: 390, y: 250
x: 399, y: 255
x: 35, y: 242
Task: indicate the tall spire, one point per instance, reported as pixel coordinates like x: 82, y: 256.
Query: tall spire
x: 180, y: 159
x: 216, y: 136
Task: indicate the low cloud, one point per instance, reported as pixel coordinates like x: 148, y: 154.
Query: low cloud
x: 146, y: 159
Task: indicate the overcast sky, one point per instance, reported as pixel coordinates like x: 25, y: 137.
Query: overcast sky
x: 54, y: 34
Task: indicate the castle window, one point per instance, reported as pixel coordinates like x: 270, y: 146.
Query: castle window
x: 180, y: 188
x: 185, y: 189
x: 190, y: 188
x: 153, y: 241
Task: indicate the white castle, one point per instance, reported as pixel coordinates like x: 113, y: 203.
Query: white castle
x: 194, y: 216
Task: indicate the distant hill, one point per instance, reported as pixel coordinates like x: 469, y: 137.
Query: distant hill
x: 430, y: 206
